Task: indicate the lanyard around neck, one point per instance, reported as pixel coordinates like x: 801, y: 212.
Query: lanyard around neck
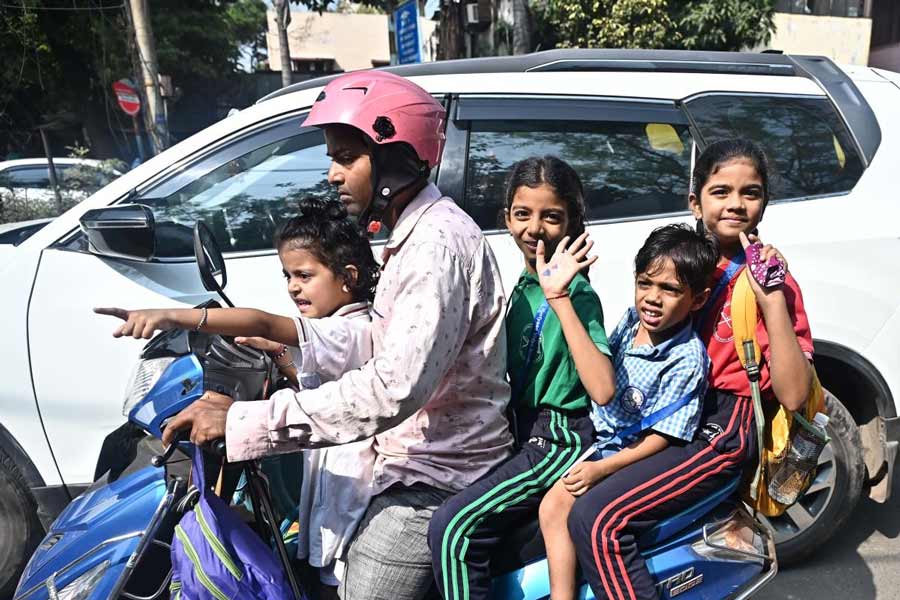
x: 537, y: 325
x: 734, y: 265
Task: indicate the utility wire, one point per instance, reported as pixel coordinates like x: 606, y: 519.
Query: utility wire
x: 64, y: 8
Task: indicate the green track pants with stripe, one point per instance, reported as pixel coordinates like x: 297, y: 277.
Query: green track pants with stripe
x: 464, y: 531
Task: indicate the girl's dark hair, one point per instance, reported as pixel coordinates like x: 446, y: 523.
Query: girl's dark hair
x: 562, y: 179
x: 718, y: 153
x: 323, y: 228
x: 693, y: 254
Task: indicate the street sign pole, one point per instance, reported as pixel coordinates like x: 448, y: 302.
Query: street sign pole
x: 54, y: 181
x: 137, y: 138
x: 130, y: 103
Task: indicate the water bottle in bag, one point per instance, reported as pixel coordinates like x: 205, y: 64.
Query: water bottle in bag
x: 795, y: 474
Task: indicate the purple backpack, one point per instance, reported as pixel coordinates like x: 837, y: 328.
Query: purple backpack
x: 217, y: 556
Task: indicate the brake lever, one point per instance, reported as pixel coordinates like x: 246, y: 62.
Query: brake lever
x: 159, y: 460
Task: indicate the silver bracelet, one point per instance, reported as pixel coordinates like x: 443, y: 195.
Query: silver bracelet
x: 202, y: 320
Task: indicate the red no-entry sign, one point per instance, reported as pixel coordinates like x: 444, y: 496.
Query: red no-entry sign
x: 128, y: 97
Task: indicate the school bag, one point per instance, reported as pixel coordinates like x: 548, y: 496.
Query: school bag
x: 773, y: 422
x: 216, y: 556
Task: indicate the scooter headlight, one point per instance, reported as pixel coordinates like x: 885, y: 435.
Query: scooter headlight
x: 82, y: 586
x: 143, y: 378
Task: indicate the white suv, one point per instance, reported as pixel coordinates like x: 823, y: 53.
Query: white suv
x: 626, y: 120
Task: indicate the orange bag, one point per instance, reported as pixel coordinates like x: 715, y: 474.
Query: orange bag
x: 773, y: 422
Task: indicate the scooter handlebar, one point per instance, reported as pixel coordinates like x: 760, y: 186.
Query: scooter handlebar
x: 217, y: 447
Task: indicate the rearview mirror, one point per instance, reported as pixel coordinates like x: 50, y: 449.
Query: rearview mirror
x: 122, y: 231
x: 210, y: 261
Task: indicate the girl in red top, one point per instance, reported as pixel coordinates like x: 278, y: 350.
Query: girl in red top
x: 728, y: 197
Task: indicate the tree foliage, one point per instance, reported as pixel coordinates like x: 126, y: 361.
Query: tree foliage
x: 673, y: 24
x: 59, y: 65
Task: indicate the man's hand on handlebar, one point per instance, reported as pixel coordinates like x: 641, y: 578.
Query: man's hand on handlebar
x: 205, y: 418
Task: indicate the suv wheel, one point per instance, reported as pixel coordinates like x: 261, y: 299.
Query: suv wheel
x: 833, y: 495
x: 20, y: 530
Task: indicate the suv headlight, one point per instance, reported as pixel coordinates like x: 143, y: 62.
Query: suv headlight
x: 142, y: 380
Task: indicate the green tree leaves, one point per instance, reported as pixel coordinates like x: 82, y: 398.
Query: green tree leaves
x: 674, y: 24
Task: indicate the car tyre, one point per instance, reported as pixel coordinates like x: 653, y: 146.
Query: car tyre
x: 819, y: 514
x: 20, y: 529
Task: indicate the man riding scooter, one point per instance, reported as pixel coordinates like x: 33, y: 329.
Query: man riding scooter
x: 434, y: 394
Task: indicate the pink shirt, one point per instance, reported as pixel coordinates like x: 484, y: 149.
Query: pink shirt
x: 434, y: 392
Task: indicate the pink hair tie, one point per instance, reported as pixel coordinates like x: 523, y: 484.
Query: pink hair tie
x: 768, y: 274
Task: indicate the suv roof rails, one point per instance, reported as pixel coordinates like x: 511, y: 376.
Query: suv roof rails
x: 586, y: 60
x: 840, y: 88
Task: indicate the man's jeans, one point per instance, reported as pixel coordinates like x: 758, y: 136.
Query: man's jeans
x: 389, y: 557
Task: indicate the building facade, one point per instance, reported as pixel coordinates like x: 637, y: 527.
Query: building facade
x: 332, y: 42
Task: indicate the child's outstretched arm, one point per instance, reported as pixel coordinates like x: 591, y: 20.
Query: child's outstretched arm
x: 594, y: 367
x: 225, y: 321
x: 788, y: 366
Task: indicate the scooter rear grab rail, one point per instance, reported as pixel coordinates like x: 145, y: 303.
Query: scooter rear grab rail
x: 770, y: 557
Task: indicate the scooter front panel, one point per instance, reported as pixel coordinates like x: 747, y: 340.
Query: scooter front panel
x: 179, y: 386
x: 101, y: 525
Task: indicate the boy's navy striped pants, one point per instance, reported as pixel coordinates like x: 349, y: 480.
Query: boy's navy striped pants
x: 466, y: 527
x: 607, y: 521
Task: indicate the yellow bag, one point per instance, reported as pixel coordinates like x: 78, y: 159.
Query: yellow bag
x: 773, y: 421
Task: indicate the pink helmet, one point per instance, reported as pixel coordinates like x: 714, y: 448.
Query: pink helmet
x: 387, y: 108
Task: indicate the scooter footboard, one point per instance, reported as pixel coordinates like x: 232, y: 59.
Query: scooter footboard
x: 730, y: 555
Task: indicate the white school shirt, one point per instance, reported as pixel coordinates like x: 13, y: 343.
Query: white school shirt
x: 337, y: 482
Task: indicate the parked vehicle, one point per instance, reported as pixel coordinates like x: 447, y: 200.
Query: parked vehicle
x: 712, y: 550
x: 31, y: 176
x: 16, y: 233
x: 627, y: 120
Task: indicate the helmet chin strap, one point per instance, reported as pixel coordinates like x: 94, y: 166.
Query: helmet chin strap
x: 395, y: 168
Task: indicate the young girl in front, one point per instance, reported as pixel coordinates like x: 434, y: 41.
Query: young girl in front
x: 331, y: 275
x: 557, y: 357
x: 728, y: 198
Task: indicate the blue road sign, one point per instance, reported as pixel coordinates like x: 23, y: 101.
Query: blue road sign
x: 406, y: 29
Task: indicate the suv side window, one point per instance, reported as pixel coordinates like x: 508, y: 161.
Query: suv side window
x: 808, y: 146
x: 242, y: 191
x: 26, y: 177
x: 633, y: 158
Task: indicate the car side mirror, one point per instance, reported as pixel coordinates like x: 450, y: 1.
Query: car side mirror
x: 122, y: 231
x: 210, y: 261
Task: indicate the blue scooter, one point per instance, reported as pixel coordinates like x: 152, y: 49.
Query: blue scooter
x: 113, y: 541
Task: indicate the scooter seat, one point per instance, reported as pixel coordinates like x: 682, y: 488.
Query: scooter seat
x: 525, y: 544
x: 669, y: 527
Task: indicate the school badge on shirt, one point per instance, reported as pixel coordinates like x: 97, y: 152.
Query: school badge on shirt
x: 724, y: 332
x: 526, y: 339
x: 632, y: 399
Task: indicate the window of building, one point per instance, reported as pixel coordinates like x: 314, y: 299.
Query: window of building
x: 314, y: 66
x: 824, y: 8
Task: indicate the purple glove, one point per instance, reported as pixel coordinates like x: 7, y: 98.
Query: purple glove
x: 768, y: 274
